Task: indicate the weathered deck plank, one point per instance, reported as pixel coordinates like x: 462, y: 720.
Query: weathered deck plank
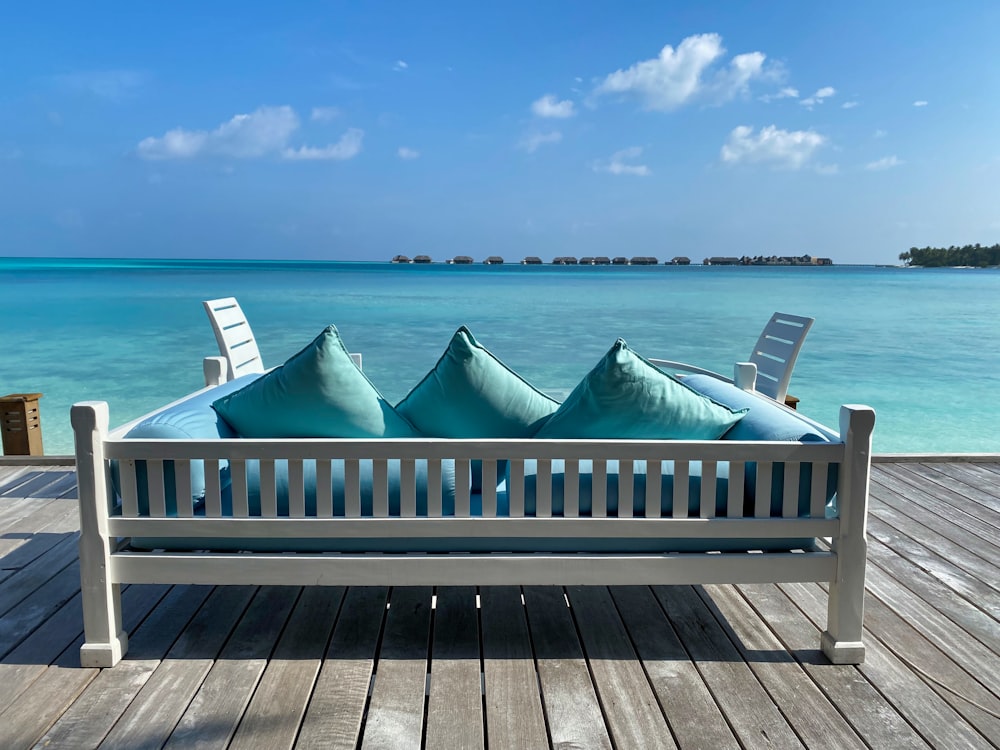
x: 455, y: 702
x: 718, y: 666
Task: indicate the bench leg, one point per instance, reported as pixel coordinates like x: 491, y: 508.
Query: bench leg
x: 841, y: 641
x: 105, y: 642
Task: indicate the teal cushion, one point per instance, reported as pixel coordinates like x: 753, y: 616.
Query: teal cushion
x: 319, y: 392
x: 626, y: 398
x: 471, y: 394
x: 768, y: 420
x: 612, y: 481
x: 191, y: 419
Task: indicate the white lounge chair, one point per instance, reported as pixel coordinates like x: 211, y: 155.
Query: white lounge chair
x: 774, y: 355
x: 235, y: 338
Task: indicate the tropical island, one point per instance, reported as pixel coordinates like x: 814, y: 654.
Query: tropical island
x: 975, y: 256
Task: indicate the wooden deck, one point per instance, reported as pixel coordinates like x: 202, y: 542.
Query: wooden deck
x: 629, y: 667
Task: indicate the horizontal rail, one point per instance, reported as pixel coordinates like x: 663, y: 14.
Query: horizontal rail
x: 461, y: 528
x: 536, y: 569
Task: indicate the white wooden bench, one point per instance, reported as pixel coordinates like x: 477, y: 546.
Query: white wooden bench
x: 111, y: 517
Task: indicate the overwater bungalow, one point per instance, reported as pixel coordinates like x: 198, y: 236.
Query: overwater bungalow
x: 588, y: 261
x: 422, y: 259
x: 719, y: 260
x: 531, y: 260
x: 602, y: 260
x: 679, y: 260
x: 461, y: 260
x: 494, y: 260
x: 565, y: 260
x: 621, y: 260
x: 401, y: 259
x: 644, y: 260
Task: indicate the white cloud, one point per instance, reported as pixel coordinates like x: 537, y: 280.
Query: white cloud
x: 347, y: 147
x: 886, y: 162
x: 824, y: 93
x: 783, y: 148
x: 324, y: 114
x: 617, y: 164
x: 400, y: 65
x: 533, y: 141
x: 675, y: 77
x: 787, y: 92
x: 850, y: 105
x: 247, y: 136
x: 407, y: 153
x: 920, y: 103
x: 549, y: 106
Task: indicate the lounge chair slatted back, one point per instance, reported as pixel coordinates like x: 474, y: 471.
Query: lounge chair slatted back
x: 774, y: 355
x: 234, y: 336
x: 776, y: 351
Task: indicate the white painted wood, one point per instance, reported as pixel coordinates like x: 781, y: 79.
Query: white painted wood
x: 841, y: 641
x: 105, y: 567
x: 237, y: 345
x: 774, y: 356
x: 106, y: 641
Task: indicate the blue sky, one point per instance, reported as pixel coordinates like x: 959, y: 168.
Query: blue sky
x: 357, y: 131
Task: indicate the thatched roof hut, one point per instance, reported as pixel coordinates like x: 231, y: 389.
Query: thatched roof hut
x: 565, y: 260
x: 620, y: 261
x: 602, y: 260
x: 531, y: 260
x: 401, y: 259
x: 494, y: 260
x: 421, y: 259
x: 461, y: 259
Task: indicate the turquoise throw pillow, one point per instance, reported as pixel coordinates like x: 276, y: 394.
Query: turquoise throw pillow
x: 626, y: 398
x: 472, y: 394
x: 319, y: 392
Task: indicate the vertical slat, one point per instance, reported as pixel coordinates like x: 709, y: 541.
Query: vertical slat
x: 434, y: 505
x: 626, y: 471
x: 709, y: 471
x: 817, y: 494
x: 681, y: 489
x: 571, y: 488
x: 352, y: 488
x: 238, y: 470
x: 268, y: 491
x: 407, y: 488
x: 154, y: 478
x: 599, y: 489
x: 543, y: 489
x: 515, y: 488
x: 654, y: 474
x: 324, y: 487
x: 213, y: 489
x: 489, y: 491
x: 463, y: 483
x: 380, y: 488
x: 296, y: 489
x: 762, y: 504
x: 737, y: 476
x: 790, y: 497
x: 130, y: 494
x: 182, y: 485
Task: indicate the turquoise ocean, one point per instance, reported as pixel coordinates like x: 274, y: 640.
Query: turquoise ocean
x: 921, y: 346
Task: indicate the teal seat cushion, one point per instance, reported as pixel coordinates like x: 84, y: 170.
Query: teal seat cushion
x: 192, y: 419
x: 613, y: 484
x: 319, y: 392
x: 470, y: 393
x: 626, y: 398
x: 767, y: 420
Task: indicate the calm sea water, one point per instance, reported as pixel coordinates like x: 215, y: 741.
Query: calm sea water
x: 920, y: 346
